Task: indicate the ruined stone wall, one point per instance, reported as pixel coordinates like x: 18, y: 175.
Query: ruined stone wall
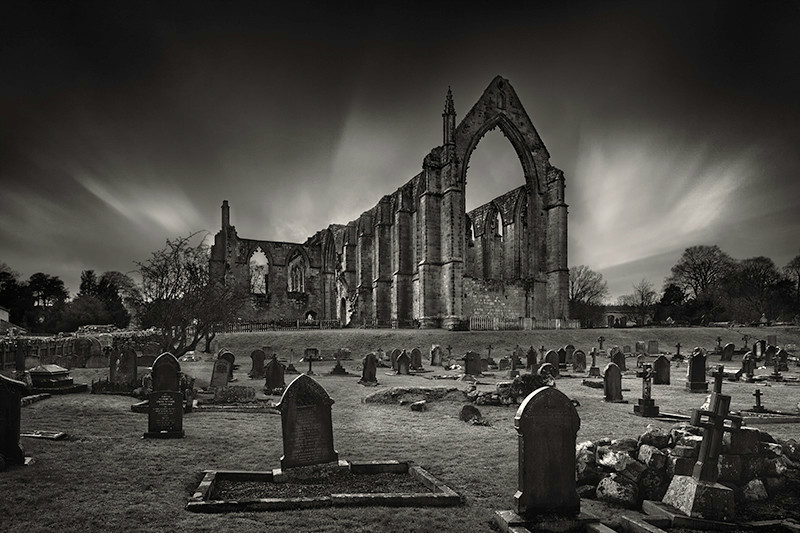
x: 495, y: 298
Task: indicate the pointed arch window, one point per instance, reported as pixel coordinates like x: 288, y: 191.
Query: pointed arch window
x: 297, y: 273
x: 259, y: 273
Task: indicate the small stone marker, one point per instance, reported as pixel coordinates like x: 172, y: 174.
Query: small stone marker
x: 472, y: 364
x: 594, y: 370
x: 403, y: 363
x: 640, y: 347
x: 553, y: 358
x: 504, y: 364
x: 727, y: 352
x: 416, y: 359
x: 311, y: 355
x: 652, y: 347
x: 749, y: 366
x: 306, y: 423
x: 436, y: 355
x: 646, y: 406
x: 274, y: 374
x: 369, y: 370
x: 531, y: 359
x: 626, y: 349
x: 11, y: 452
x: 600, y: 341
x: 758, y: 407
x: 618, y: 358
x: 257, y: 357
x: 640, y: 360
x: 696, y: 373
x: 661, y: 371
x: 699, y: 495
x: 228, y: 355
x: 166, y: 373
x: 579, y: 363
x: 547, y: 424
x: 220, y: 374
x: 612, y: 384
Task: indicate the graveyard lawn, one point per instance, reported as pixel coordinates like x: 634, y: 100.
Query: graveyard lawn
x: 104, y: 476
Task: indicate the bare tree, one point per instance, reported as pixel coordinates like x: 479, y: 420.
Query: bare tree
x: 643, y: 300
x: 700, y: 268
x: 792, y: 270
x: 180, y: 299
x: 586, y: 286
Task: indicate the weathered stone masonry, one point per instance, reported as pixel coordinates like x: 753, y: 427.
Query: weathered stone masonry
x: 417, y: 257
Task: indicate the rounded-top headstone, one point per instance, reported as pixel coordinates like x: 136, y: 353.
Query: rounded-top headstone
x: 166, y: 373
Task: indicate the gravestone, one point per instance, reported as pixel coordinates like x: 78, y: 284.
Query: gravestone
x: 122, y: 366
x: 612, y: 384
x: 769, y: 354
x: 257, y: 357
x: 274, y: 374
x: 416, y: 359
x: 164, y: 413
x: 640, y: 347
x: 310, y: 355
x: 547, y: 424
x: 759, y: 348
x: 749, y: 366
x: 368, y: 370
x: 553, y: 358
x: 594, y: 370
x: 652, y: 347
x: 228, y: 356
x: 436, y: 355
x: 758, y: 408
x: 772, y: 339
x: 306, y: 423
x: 626, y: 349
x: 618, y: 358
x: 640, y: 361
x: 11, y: 392
x: 579, y: 361
x: 600, y: 341
x: 696, y: 372
x: 504, y: 364
x: 700, y: 495
x: 727, y: 352
x: 472, y: 364
x: 562, y: 356
x: 395, y: 354
x: 166, y: 373
x: 661, y: 371
x: 531, y: 359
x: 403, y: 363
x: 783, y: 360
x: 484, y: 365
x: 570, y: 349
x: 548, y: 369
x: 646, y: 406
x: 220, y: 374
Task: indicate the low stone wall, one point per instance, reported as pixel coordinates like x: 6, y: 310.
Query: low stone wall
x: 627, y: 471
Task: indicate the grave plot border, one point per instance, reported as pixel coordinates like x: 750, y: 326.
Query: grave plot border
x: 440, y: 496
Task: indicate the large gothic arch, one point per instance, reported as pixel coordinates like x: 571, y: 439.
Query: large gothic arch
x: 406, y: 261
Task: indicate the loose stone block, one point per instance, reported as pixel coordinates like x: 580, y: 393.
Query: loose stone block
x: 701, y: 499
x: 652, y: 457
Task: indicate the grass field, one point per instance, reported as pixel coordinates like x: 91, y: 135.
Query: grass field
x: 104, y: 477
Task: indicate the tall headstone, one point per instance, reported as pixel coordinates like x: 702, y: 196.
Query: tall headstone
x: 547, y: 424
x: 472, y: 364
x: 416, y: 359
x: 274, y: 374
x: 612, y: 384
x: 727, y: 352
x: 257, y: 370
x: 562, y: 356
x: 531, y: 359
x: 306, y: 423
x: 652, y: 347
x: 554, y: 359
x: 570, y: 349
x: 403, y: 363
x: 166, y: 373
x: 11, y: 452
x: 619, y: 359
x: 579, y: 361
x: 696, y: 372
x: 759, y: 347
x: 220, y: 374
x: 769, y: 354
x: 436, y: 355
x: 661, y: 371
x: 783, y: 360
x: 228, y: 356
x: 594, y: 370
x: 749, y: 366
x: 395, y: 354
x: 369, y: 369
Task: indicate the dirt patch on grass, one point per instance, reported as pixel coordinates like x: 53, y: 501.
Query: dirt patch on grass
x: 414, y: 394
x: 323, y: 484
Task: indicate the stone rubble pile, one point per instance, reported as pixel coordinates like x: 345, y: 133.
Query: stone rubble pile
x: 627, y: 471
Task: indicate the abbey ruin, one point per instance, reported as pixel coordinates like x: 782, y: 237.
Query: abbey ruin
x: 417, y: 258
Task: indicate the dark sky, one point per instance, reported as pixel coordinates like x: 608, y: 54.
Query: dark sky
x: 124, y: 124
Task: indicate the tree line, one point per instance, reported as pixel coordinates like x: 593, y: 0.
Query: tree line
x: 705, y: 285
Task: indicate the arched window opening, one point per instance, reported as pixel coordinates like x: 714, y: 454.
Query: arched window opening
x: 297, y: 273
x: 259, y: 273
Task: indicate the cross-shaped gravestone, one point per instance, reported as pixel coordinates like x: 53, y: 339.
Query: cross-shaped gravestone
x: 718, y: 376
x: 678, y: 348
x: 309, y: 355
x: 758, y: 407
x: 776, y: 373
x: 594, y: 370
x: 449, y: 352
x: 713, y: 424
x: 601, y: 340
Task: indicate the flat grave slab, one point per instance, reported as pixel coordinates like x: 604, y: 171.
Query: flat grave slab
x: 43, y: 434
x: 348, y: 484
